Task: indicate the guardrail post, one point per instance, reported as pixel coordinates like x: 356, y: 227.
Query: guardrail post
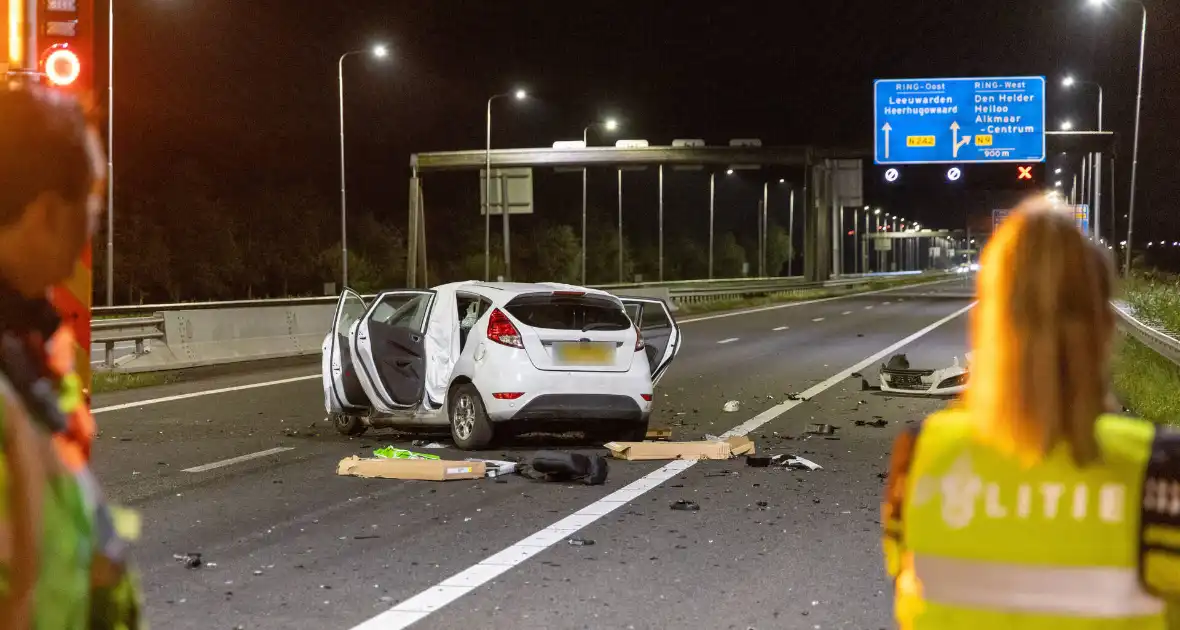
x: 139, y: 347
x: 109, y: 354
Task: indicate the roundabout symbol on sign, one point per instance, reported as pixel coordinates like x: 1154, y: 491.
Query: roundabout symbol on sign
x: 954, y: 174
x: 891, y: 175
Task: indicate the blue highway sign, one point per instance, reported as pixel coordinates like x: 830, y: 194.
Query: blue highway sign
x: 966, y: 120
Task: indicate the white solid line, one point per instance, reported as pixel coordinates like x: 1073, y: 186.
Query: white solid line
x: 434, y: 598
x: 730, y: 340
x: 818, y: 319
x: 781, y: 328
x: 239, y: 459
x: 846, y: 313
x: 869, y: 307
x: 209, y: 392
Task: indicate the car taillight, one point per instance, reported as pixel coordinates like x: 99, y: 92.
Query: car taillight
x: 507, y: 395
x: 646, y: 397
x: 501, y: 330
x: 638, y: 339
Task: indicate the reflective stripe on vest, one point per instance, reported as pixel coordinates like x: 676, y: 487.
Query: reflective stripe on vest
x: 1097, y: 592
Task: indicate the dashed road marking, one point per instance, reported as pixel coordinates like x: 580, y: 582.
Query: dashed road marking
x: 237, y: 460
x: 869, y: 307
x: 730, y: 340
x: 846, y: 313
x: 818, y: 319
x: 431, y: 600
x: 781, y: 328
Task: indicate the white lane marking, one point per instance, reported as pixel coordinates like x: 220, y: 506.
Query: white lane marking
x: 208, y: 392
x: 730, y: 340
x: 762, y: 309
x: 434, y: 598
x: 846, y: 313
x: 869, y: 307
x: 781, y: 328
x: 238, y: 460
x: 238, y: 388
x: 818, y: 319
x: 884, y: 303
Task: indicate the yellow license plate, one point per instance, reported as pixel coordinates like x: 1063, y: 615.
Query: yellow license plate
x: 584, y: 353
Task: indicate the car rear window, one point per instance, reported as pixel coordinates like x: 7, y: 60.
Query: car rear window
x: 566, y: 312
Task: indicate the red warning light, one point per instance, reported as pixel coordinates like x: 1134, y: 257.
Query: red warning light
x: 1024, y: 172
x: 61, y: 65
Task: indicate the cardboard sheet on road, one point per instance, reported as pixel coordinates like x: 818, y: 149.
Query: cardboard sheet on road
x: 420, y: 469
x: 705, y: 449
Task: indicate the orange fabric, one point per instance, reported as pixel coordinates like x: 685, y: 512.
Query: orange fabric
x: 74, y: 443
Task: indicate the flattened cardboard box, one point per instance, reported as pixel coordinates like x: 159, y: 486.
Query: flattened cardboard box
x: 639, y: 451
x: 420, y: 469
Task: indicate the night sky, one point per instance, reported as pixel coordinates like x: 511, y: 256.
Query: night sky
x: 246, y: 91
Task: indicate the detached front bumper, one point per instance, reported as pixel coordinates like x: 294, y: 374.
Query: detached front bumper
x: 950, y: 381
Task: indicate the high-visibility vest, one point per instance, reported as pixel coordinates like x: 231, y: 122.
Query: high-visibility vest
x: 975, y: 540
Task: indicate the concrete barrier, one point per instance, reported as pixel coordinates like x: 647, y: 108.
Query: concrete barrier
x: 199, y: 338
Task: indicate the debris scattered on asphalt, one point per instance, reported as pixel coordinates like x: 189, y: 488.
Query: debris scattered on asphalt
x: 722, y: 473
x: 866, y: 387
x: 820, y: 429
x: 578, y: 541
x: 796, y: 397
x: 369, y: 537
x: 425, y: 444
x: 758, y: 461
x: 883, y: 475
x: 431, y: 469
x: 659, y: 434
x: 732, y: 406
x: 857, y: 375
x: 703, y: 449
x: 189, y: 560
x: 799, y: 463
x: 559, y: 466
x: 762, y: 504
x: 877, y: 423
x: 684, y: 505
x: 389, y: 452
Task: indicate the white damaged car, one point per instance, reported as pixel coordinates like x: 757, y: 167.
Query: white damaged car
x: 486, y: 358
x: 899, y: 378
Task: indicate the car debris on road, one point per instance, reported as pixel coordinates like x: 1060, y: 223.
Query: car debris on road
x: 898, y: 377
x: 731, y: 406
x: 703, y: 449
x: 558, y: 466
x: 684, y: 505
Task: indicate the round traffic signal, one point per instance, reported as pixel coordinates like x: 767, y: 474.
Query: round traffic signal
x: 61, y: 65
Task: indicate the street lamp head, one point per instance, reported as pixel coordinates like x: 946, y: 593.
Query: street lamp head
x: 1057, y: 171
x: 611, y: 124
x: 729, y: 171
x: 520, y: 95
x: 1097, y: 3
x: 1057, y: 184
x: 782, y: 180
x: 1066, y: 125
x: 380, y: 51
x: 877, y: 211
x: 1067, y: 81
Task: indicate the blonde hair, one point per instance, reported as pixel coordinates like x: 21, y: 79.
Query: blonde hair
x: 1041, y: 336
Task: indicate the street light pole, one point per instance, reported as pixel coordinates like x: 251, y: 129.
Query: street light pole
x: 1135, y: 149
x: 487, y: 217
x: 378, y: 51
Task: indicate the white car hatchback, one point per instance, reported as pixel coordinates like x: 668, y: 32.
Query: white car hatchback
x: 489, y: 359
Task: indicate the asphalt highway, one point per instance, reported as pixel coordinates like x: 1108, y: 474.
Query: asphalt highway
x: 241, y: 469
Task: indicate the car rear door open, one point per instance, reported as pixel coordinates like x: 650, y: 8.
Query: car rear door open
x: 389, y: 347
x: 342, y: 388
x: 661, y: 335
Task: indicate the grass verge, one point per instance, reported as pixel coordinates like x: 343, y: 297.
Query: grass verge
x: 1147, y: 383
x: 1155, y: 296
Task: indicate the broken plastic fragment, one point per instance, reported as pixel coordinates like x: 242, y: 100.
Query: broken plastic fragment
x: 876, y: 423
x: 820, y: 429
x: 190, y: 560
x: 425, y: 444
x: 800, y: 463
x: 685, y: 506
x: 758, y: 461
x: 578, y: 541
x: 732, y: 406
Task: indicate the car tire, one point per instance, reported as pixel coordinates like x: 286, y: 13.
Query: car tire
x: 351, y: 426
x: 470, y: 427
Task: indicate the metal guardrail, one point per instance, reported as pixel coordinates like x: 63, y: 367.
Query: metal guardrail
x: 141, y: 323
x: 1164, y: 343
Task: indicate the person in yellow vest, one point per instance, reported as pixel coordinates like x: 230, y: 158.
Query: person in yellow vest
x: 63, y: 549
x: 1031, y: 504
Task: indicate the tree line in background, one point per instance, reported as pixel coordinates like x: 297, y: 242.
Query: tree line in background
x: 212, y: 249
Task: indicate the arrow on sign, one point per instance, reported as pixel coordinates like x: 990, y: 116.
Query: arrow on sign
x: 957, y: 142
x: 887, y: 128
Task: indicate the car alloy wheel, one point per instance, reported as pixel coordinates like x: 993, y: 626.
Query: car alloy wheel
x: 463, y: 416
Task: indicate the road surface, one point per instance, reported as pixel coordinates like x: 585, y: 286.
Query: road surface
x: 288, y: 544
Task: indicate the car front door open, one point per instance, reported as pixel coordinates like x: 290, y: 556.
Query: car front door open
x: 389, y: 345
x: 343, y: 392
x: 661, y: 335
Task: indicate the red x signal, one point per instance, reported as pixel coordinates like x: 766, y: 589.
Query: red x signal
x: 1025, y: 172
